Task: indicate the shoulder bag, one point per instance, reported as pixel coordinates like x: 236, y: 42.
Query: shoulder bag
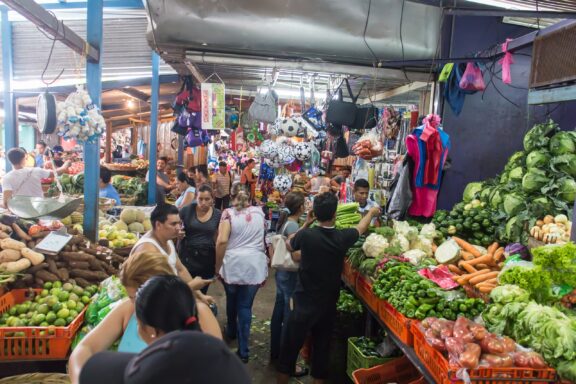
x: 342, y: 112
x: 265, y: 107
x: 282, y: 258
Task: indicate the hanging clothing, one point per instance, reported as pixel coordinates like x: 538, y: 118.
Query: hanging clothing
x: 429, y: 157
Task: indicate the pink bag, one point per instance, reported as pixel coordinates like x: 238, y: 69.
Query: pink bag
x: 472, y: 79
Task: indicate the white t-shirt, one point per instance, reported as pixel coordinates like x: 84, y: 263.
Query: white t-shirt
x: 25, y: 181
x: 364, y: 210
x: 172, y: 256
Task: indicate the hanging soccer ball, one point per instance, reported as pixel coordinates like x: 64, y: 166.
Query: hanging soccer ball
x: 285, y: 154
x: 268, y: 149
x: 302, y: 151
x: 273, y: 162
x: 289, y: 126
x: 282, y: 183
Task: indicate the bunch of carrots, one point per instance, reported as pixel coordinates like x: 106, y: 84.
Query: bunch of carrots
x: 477, y: 269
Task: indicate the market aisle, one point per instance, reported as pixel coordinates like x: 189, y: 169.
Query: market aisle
x: 260, y: 370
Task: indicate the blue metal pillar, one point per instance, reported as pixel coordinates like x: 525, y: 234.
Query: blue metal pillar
x: 10, y: 118
x: 92, y: 150
x: 181, y: 153
x: 153, y: 145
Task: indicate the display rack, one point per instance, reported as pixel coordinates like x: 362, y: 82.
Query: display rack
x: 408, y: 351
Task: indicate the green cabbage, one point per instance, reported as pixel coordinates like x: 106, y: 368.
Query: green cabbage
x: 562, y: 143
x: 496, y: 199
x: 508, y: 293
x: 504, y: 178
x: 485, y: 194
x: 471, y: 190
x: 534, y: 180
x: 537, y: 159
x: 542, y: 205
x: 513, y: 203
x: 517, y: 159
x: 537, y: 137
x: 567, y: 189
x: 565, y: 163
x: 511, y: 228
x: 516, y: 174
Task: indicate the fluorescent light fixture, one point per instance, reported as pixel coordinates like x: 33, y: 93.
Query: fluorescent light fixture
x: 1, y: 113
x: 507, y: 5
x: 284, y: 93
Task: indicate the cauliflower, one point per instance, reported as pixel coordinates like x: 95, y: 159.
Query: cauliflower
x: 374, y: 245
x: 403, y: 228
x: 414, y: 256
x: 428, y: 231
x: 402, y: 242
x: 422, y: 243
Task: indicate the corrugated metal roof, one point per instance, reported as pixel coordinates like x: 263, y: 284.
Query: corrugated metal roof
x: 531, y: 5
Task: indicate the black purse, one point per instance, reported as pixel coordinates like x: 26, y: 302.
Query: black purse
x: 178, y: 129
x: 341, y: 148
x: 342, y: 112
x: 366, y: 118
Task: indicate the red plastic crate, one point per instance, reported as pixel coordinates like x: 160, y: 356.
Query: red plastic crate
x: 30, y: 344
x: 399, y: 370
x: 398, y: 324
x: 439, y: 368
x: 349, y: 275
x: 364, y: 290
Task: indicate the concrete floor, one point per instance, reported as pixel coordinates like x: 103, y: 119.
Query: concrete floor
x: 260, y: 369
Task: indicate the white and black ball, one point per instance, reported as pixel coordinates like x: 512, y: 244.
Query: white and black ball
x: 285, y: 154
x: 273, y: 162
x: 268, y: 149
x: 282, y: 183
x: 303, y: 151
x: 290, y: 126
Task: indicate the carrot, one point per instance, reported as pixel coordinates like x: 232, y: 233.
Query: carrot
x: 468, y: 276
x: 492, y: 281
x: 481, y: 266
x: 498, y: 255
x: 486, y: 276
x: 466, y: 255
x: 486, y: 259
x: 454, y: 269
x: 461, y: 280
x: 486, y: 289
x: 467, y: 267
x: 493, y: 247
x: 434, y: 247
x: 467, y: 246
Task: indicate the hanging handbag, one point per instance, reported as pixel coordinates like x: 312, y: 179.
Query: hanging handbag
x: 282, y: 258
x: 341, y: 148
x: 472, y: 79
x: 366, y: 118
x: 264, y: 107
x: 342, y: 112
x: 178, y: 129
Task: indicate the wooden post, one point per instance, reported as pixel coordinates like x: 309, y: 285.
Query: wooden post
x: 108, y: 142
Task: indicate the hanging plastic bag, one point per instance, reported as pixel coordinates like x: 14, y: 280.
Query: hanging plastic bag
x: 446, y: 71
x: 472, y: 79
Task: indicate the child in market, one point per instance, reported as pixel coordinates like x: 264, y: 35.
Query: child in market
x: 107, y: 190
x: 313, y: 305
x: 361, y: 191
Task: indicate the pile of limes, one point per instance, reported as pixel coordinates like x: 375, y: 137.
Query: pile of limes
x: 57, y: 305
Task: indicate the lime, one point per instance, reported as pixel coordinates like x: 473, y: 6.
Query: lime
x: 71, y: 304
x: 56, y: 307
x: 13, y: 311
x: 44, y: 324
x: 19, y: 334
x: 44, y: 293
x: 79, y: 306
x: 33, y: 307
x: 73, y: 313
x: 25, y: 322
x: 69, y: 319
x: 63, y: 296
x: 50, y: 317
x: 48, y: 285
x: 63, y: 313
x: 57, y: 284
x: 22, y: 309
x: 85, y: 299
x: 67, y: 287
x: 39, y: 318
x: 42, y: 300
x: 43, y: 308
x: 78, y: 290
x: 51, y: 330
x: 60, y: 323
x: 51, y: 300
x: 22, y: 316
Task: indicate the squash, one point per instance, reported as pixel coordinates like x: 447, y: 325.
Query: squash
x: 8, y: 255
x: 34, y: 257
x: 12, y: 244
x: 17, y: 266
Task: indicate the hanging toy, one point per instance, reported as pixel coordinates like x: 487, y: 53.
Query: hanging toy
x: 268, y: 149
x: 274, y: 162
x: 303, y: 151
x: 282, y: 183
x: 290, y: 126
x: 285, y: 154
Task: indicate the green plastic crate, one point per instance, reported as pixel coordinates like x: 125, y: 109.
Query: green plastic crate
x: 357, y: 360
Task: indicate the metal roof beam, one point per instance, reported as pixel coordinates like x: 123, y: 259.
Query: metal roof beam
x: 135, y: 93
x: 395, y: 92
x: 509, y: 13
x: 124, y: 4
x: 49, y: 23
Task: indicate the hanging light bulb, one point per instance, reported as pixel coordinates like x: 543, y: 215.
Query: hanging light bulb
x: 130, y: 103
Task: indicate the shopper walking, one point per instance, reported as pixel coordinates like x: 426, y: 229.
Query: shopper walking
x: 319, y: 180
x: 248, y: 179
x: 285, y: 279
x: 242, y: 264
x: 314, y: 301
x: 222, y: 185
x: 121, y: 323
x: 163, y: 185
x: 198, y: 248
x: 39, y: 157
x: 187, y: 189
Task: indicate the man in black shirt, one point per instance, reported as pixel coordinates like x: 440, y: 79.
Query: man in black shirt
x: 313, y: 304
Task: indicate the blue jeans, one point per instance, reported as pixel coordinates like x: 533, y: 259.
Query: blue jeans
x: 285, y: 285
x: 239, y: 300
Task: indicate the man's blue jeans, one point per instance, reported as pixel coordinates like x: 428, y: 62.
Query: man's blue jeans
x: 285, y: 285
x: 239, y: 300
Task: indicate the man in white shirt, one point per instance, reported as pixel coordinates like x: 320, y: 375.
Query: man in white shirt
x: 361, y: 190
x: 21, y: 181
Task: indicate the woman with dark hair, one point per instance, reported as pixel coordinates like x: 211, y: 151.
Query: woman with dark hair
x: 198, y: 248
x: 285, y: 279
x: 187, y: 189
x: 241, y: 262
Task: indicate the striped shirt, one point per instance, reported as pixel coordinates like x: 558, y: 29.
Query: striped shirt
x: 223, y: 183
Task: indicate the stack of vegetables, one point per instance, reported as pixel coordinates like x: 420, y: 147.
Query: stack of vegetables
x: 417, y: 297
x: 469, y: 345
x: 347, y: 215
x: 472, y: 266
x: 349, y: 304
x: 552, y: 230
x: 132, y: 187
x: 536, y: 182
x: 71, y: 185
x: 545, y: 329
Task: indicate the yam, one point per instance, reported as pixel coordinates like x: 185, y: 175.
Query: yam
x: 79, y: 264
x: 46, y: 276
x: 20, y: 233
x: 4, y: 235
x: 108, y: 268
x: 17, y: 266
x: 37, y: 268
x: 64, y: 274
x: 89, y: 275
x: 31, y: 244
x: 52, y: 268
x: 67, y: 248
x: 35, y: 257
x: 76, y: 239
x: 76, y: 256
x: 27, y: 278
x: 82, y: 282
x: 95, y: 265
x: 8, y: 255
x: 12, y: 244
x: 39, y: 282
x: 61, y: 264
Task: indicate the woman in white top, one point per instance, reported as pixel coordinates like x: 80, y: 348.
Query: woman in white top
x: 187, y: 189
x: 242, y: 263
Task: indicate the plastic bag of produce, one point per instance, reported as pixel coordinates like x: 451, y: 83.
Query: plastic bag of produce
x: 111, y: 290
x: 496, y: 361
x: 462, y: 330
x: 529, y: 359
